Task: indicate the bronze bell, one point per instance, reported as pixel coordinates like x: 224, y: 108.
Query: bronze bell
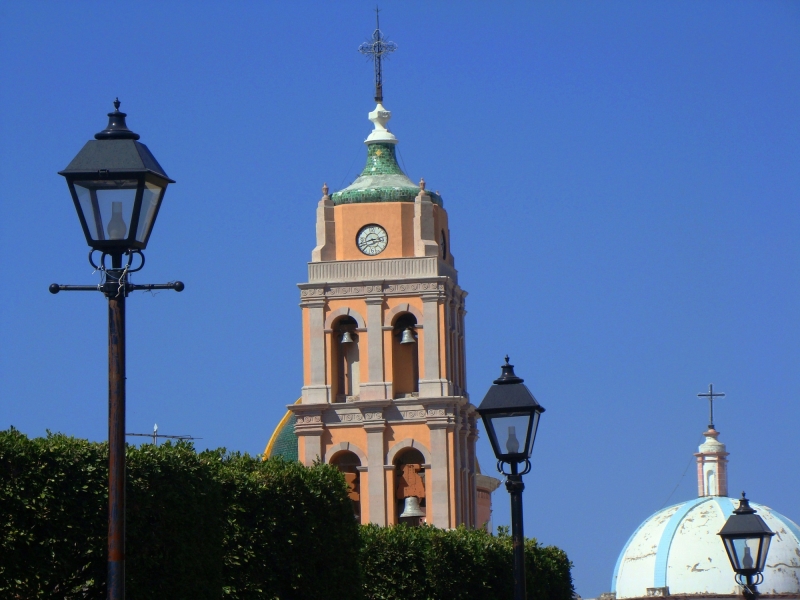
x: 347, y: 338
x: 408, y: 337
x: 412, y: 508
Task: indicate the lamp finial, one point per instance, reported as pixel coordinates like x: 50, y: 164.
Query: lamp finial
x: 507, y: 375
x: 117, y: 129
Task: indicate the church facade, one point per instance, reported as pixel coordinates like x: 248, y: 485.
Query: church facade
x: 384, y: 394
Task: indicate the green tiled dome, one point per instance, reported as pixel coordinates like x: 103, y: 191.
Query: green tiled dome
x: 382, y: 180
x: 283, y: 441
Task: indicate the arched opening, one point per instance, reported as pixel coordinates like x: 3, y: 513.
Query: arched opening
x: 409, y: 490
x: 711, y: 483
x: 345, y: 360
x: 347, y: 462
x: 405, y: 356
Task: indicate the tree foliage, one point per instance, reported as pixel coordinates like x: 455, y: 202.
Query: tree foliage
x: 228, y: 526
x: 199, y: 525
x: 423, y: 563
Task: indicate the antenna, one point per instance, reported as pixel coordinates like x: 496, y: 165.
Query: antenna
x: 376, y: 48
x: 155, y: 435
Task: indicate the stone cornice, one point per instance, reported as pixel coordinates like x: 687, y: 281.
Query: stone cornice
x: 380, y: 269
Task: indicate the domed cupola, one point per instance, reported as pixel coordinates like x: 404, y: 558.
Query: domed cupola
x: 382, y: 179
x: 677, y: 552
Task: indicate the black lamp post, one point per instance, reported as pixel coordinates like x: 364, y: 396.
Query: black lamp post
x: 117, y: 186
x: 510, y: 415
x: 747, y: 538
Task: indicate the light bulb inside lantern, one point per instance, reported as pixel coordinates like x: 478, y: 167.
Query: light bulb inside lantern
x: 747, y: 560
x: 512, y: 444
x: 116, y: 226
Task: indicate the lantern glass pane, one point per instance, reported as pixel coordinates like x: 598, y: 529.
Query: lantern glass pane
x: 731, y: 553
x: 746, y: 551
x: 762, y: 558
x: 151, y: 197
x: 511, y: 431
x: 107, y: 206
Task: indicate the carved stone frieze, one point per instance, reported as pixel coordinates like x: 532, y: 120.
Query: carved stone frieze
x: 301, y: 420
x: 312, y: 292
x: 413, y: 414
x: 350, y: 417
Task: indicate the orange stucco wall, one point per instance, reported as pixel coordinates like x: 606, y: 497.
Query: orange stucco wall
x: 397, y: 218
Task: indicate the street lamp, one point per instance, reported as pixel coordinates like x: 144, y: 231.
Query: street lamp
x: 117, y: 186
x: 510, y: 415
x: 747, y: 538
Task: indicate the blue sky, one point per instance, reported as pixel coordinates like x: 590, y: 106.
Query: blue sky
x: 622, y: 184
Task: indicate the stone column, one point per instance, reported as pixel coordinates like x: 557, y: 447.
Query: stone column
x: 376, y: 388
x: 431, y: 385
x: 424, y: 234
x: 472, y: 438
x: 316, y: 392
x: 440, y: 423
x: 391, y: 483
x: 309, y: 426
x: 326, y: 230
x: 462, y: 367
x: 374, y: 425
x: 463, y: 468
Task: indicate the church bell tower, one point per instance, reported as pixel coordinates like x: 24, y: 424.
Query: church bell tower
x: 384, y: 394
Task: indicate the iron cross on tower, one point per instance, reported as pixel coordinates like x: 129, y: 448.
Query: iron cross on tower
x: 376, y: 48
x: 711, y: 395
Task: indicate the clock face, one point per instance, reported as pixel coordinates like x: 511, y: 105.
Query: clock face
x: 372, y: 239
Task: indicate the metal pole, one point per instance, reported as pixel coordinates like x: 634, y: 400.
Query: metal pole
x: 515, y: 486
x: 750, y: 591
x: 116, y: 431
x: 116, y: 288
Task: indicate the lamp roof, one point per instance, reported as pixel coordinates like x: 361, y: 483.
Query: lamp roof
x: 744, y: 522
x: 509, y: 393
x: 114, y: 156
x: 115, y: 150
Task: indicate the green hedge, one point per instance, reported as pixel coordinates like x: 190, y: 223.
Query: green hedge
x: 219, y: 525
x: 422, y: 563
x: 199, y: 525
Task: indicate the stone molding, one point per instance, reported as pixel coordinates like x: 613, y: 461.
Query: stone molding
x: 379, y: 269
x: 442, y: 413
x: 346, y: 447
x: 454, y: 412
x: 403, y: 445
x: 313, y: 293
x: 316, y: 394
x: 313, y: 302
x: 405, y: 307
x: 308, y: 420
x: 344, y: 312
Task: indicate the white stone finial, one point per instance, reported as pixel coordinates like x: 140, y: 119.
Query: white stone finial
x: 712, y: 466
x: 325, y: 189
x: 380, y: 117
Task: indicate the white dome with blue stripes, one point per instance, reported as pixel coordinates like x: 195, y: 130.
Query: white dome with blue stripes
x: 677, y: 552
